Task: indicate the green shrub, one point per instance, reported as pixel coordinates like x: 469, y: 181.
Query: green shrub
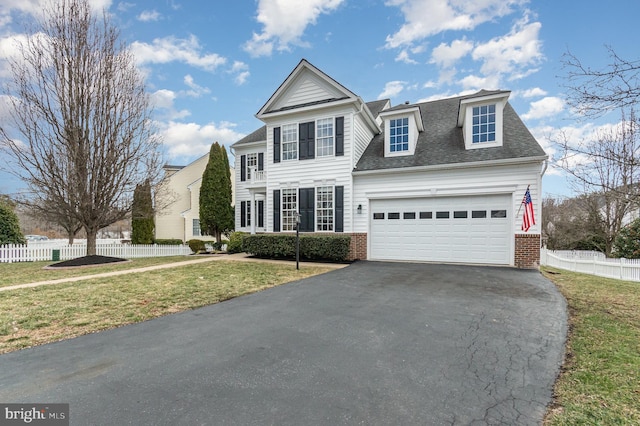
x: 313, y: 247
x: 627, y: 243
x: 235, y: 242
x: 168, y: 242
x: 196, y: 246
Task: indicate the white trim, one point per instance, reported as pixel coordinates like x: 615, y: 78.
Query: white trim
x: 443, y: 192
x: 449, y: 166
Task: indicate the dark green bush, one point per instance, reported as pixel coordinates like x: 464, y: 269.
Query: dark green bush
x: 235, y: 242
x: 168, y: 242
x: 196, y: 246
x: 312, y: 246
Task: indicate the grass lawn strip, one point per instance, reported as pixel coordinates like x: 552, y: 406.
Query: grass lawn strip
x: 600, y: 380
x: 29, y: 272
x: 45, y: 314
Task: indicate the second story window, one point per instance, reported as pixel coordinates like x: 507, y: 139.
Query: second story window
x: 399, y: 134
x: 290, y: 142
x: 252, y: 163
x: 324, y: 137
x: 484, y: 123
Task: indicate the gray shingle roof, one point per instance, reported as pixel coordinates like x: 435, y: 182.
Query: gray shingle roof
x: 376, y: 106
x: 255, y: 136
x: 442, y: 142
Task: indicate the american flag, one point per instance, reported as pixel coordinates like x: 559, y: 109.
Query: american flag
x: 528, y: 218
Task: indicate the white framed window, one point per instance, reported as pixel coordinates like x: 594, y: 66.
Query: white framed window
x: 399, y: 134
x: 289, y: 209
x: 484, y: 123
x: 252, y: 163
x: 290, y: 142
x: 195, y: 231
x: 324, y: 208
x: 324, y: 137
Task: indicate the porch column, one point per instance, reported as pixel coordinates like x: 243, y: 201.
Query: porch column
x: 254, y: 216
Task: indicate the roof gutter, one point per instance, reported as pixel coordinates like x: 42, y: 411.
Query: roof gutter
x: 450, y: 166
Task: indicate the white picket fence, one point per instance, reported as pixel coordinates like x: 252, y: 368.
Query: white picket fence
x: 593, y: 263
x: 36, y: 252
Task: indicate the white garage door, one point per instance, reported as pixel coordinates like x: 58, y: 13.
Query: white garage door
x: 473, y: 229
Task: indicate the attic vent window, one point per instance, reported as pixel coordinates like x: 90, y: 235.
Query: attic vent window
x: 399, y: 135
x: 484, y: 123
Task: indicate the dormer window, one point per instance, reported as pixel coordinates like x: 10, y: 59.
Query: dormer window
x: 480, y: 117
x: 399, y: 135
x: 401, y: 129
x: 484, y: 123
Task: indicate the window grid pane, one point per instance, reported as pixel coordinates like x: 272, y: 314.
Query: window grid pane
x: 324, y: 137
x: 196, y: 227
x: 289, y: 142
x: 399, y: 135
x: 484, y: 124
x: 324, y: 208
x: 289, y: 209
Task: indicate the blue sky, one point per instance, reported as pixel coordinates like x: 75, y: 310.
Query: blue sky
x: 210, y: 66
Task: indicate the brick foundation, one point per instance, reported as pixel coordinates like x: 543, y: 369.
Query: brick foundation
x: 358, y: 248
x: 527, y: 251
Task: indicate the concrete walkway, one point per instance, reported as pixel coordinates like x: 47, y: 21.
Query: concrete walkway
x: 242, y: 257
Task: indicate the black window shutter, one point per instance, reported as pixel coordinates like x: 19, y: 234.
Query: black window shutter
x: 243, y: 214
x: 339, y: 211
x: 307, y: 141
x: 260, y: 214
x: 306, y: 209
x: 243, y: 168
x: 339, y: 136
x: 260, y: 161
x: 276, y: 210
x: 276, y: 144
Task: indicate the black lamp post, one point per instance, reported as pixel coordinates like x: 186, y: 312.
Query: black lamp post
x: 298, y: 216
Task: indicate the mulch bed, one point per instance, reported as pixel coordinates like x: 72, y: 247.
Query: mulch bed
x: 87, y: 261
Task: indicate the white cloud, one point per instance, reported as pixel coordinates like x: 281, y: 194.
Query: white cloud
x: 284, y: 22
x: 241, y: 71
x: 474, y: 82
x: 545, y: 107
x: 170, y: 49
x: 149, y: 15
x: 192, y: 139
x: 403, y: 56
x: 424, y: 18
x: 196, y: 90
x: 392, y: 89
x: 533, y: 93
x: 163, y: 98
x: 511, y: 53
x: 446, y: 55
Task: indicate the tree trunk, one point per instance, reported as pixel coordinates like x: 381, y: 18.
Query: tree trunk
x: 92, y: 235
x: 71, y: 236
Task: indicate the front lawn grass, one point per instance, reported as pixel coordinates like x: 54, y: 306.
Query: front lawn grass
x: 600, y: 380
x: 29, y: 272
x: 45, y: 314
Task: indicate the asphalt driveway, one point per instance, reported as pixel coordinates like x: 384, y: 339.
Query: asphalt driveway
x: 373, y: 343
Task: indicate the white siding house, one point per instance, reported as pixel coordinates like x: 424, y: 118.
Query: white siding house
x: 181, y: 191
x: 437, y: 181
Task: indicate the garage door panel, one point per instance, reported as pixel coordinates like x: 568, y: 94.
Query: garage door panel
x: 464, y: 238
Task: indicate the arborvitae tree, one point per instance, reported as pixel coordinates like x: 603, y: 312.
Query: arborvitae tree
x: 9, y: 225
x: 216, y: 213
x: 142, y: 222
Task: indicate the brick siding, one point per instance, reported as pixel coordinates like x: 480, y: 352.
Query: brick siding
x: 527, y: 251
x: 358, y: 248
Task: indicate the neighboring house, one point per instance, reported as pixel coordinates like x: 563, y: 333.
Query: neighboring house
x: 181, y: 190
x: 437, y: 181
